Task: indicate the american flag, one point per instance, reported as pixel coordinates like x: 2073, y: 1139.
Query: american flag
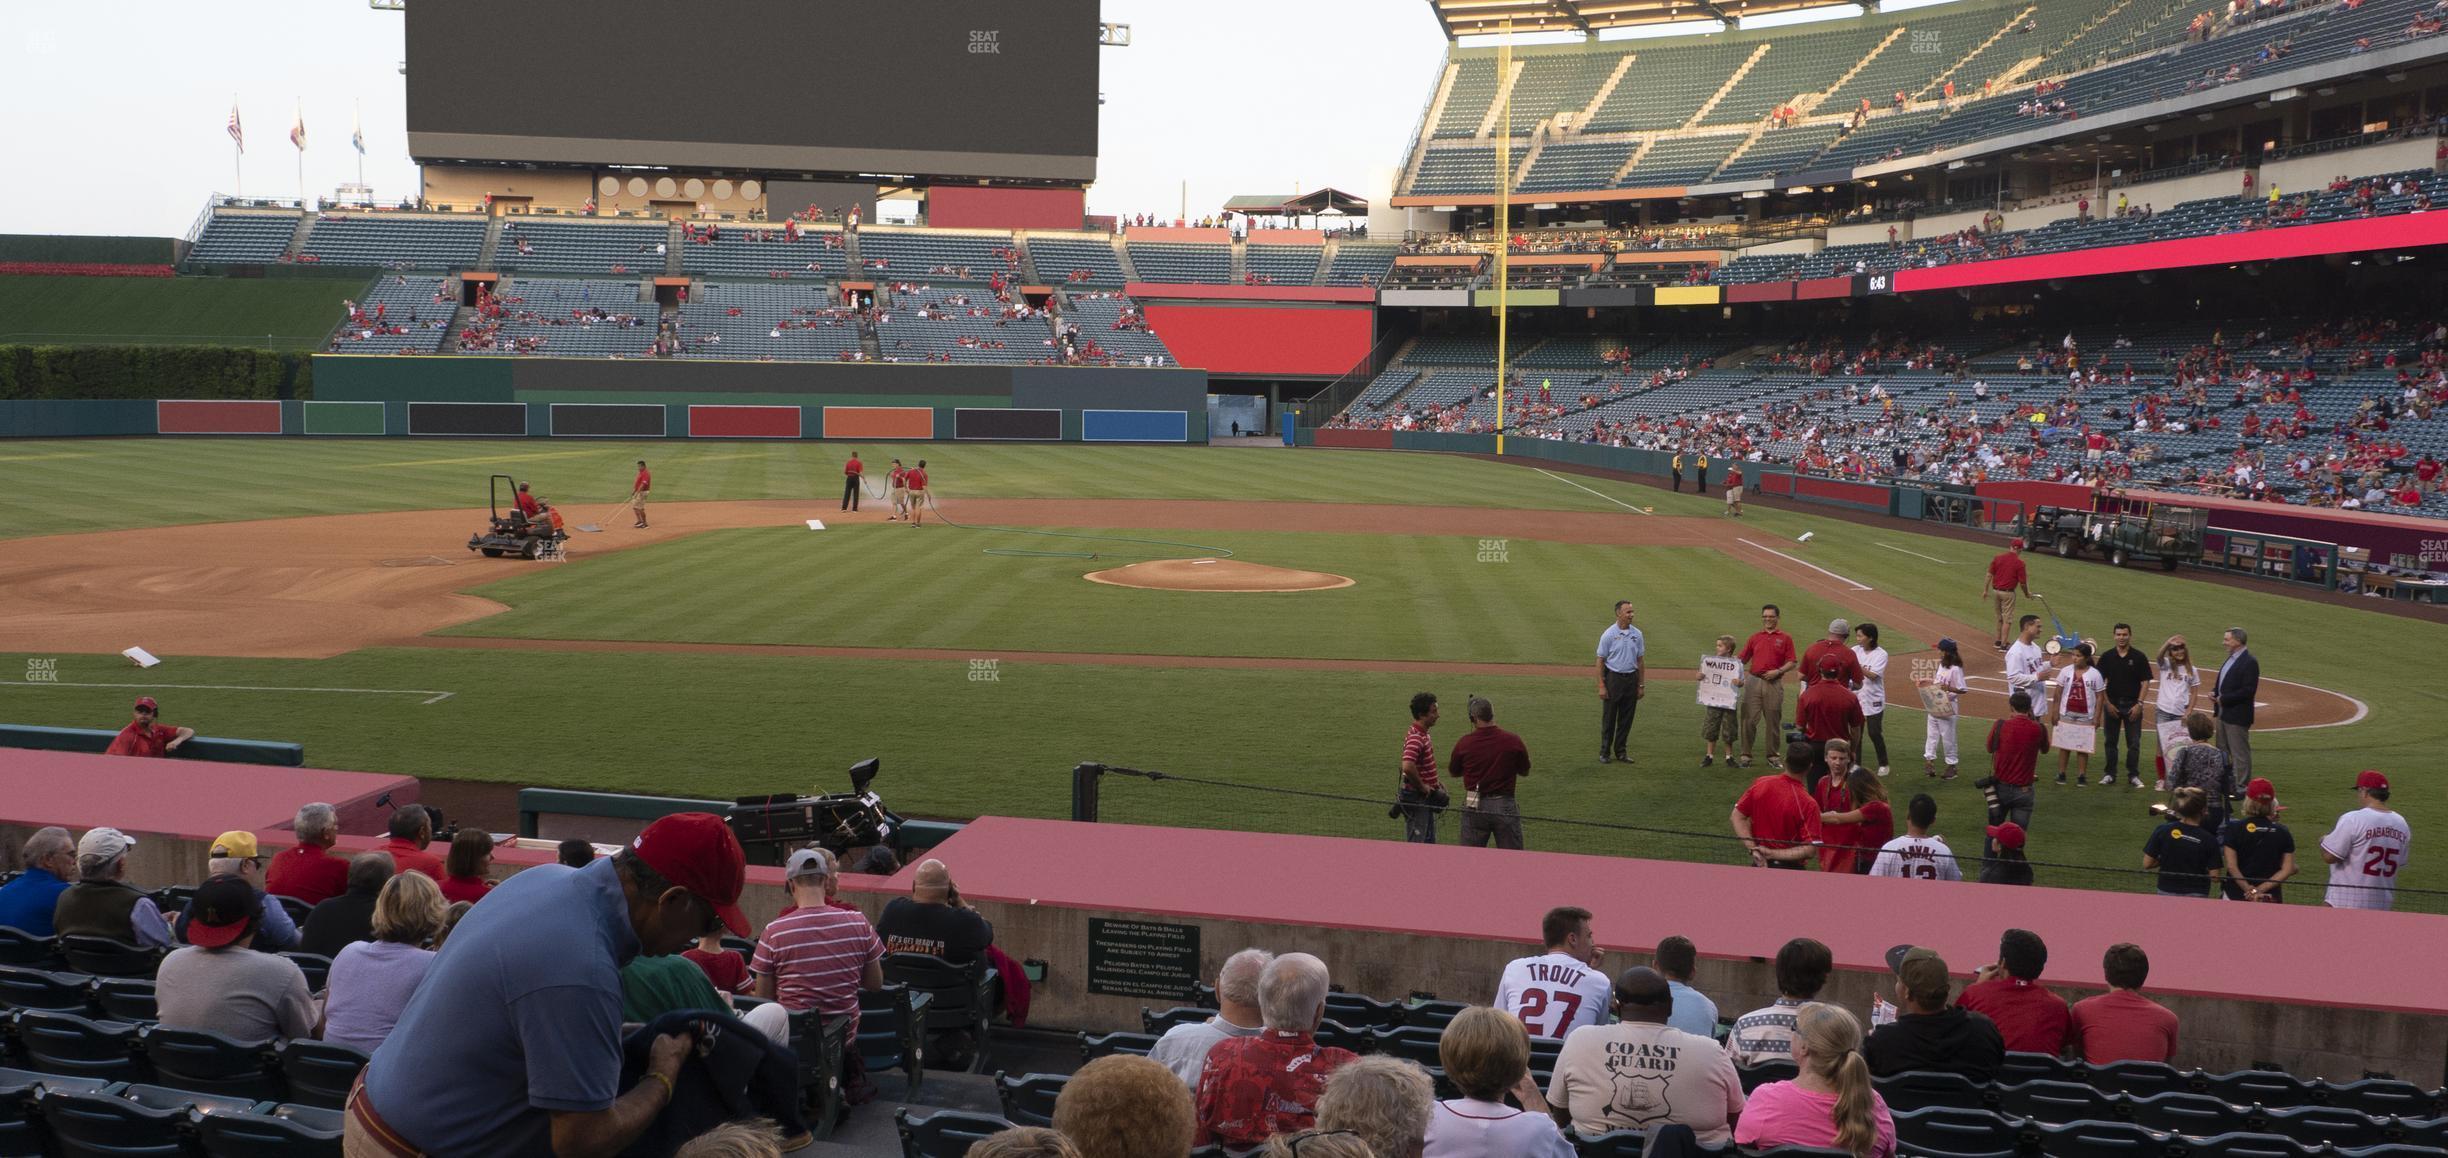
x: 297, y: 131
x: 236, y: 134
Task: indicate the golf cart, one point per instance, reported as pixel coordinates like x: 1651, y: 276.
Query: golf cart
x: 515, y: 533
x: 2154, y: 534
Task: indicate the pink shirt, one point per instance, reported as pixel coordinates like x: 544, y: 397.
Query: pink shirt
x: 1784, y: 1114
x: 815, y: 957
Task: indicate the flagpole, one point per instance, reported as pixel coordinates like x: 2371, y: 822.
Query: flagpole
x: 1504, y: 227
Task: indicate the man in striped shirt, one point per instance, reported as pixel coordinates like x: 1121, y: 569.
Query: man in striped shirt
x: 817, y: 957
x: 1421, y: 791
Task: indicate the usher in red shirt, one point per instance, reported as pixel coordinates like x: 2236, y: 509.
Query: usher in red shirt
x: 1767, y: 651
x: 2006, y: 572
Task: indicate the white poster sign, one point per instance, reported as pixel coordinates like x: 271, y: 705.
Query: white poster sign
x: 1720, y: 681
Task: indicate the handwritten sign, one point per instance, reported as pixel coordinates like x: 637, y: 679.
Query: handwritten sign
x: 1720, y: 681
x: 2083, y: 738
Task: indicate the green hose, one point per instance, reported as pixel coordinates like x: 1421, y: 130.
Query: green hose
x: 1203, y: 551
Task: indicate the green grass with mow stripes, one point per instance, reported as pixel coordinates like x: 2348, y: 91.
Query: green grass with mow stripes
x: 272, y: 313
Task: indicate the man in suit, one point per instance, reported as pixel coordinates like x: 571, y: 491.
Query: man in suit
x: 2239, y: 683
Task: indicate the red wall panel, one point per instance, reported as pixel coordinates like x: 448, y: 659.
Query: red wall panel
x: 1357, y: 439
x: 975, y: 207
x: 743, y: 421
x: 2392, y: 232
x: 1258, y: 340
x: 221, y: 417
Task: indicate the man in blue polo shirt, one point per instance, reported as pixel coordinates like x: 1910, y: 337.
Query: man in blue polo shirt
x: 1622, y: 681
x: 27, y: 903
x: 512, y: 1043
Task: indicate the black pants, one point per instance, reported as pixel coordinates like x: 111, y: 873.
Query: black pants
x: 1615, y: 719
x: 1874, y: 728
x: 850, y: 492
x: 2119, y: 720
x: 736, y: 1072
x: 1676, y: 485
x: 1701, y: 488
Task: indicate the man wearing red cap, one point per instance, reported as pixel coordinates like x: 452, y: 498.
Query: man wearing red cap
x: 512, y: 1044
x: 2259, y: 851
x: 2366, y: 848
x: 218, y: 983
x: 2007, y: 576
x: 2005, y: 864
x: 145, y: 737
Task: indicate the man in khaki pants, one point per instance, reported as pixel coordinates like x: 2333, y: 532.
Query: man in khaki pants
x: 1768, y: 656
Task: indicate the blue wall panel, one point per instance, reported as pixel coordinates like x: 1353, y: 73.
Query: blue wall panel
x: 1135, y: 426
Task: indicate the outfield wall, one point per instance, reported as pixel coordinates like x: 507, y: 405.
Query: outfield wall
x: 493, y: 397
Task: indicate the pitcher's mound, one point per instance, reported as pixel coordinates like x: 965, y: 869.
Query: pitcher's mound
x: 1216, y: 575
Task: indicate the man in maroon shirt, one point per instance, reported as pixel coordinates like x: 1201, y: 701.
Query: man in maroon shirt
x: 1777, y: 818
x: 2028, y: 1016
x: 1489, y: 760
x: 145, y: 737
x: 2007, y: 576
x: 2016, y: 744
x: 1827, y: 710
x: 309, y: 871
x: 1767, y: 657
x: 1833, y: 651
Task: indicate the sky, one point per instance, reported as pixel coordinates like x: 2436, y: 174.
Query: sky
x: 122, y: 107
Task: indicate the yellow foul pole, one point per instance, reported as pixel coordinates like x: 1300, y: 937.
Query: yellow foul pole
x: 1504, y: 218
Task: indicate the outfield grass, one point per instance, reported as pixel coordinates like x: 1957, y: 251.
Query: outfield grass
x: 59, y: 486
x: 1415, y: 597
x: 722, y: 724
x: 275, y: 313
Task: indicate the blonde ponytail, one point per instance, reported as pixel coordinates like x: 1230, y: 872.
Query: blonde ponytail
x: 1832, y: 1039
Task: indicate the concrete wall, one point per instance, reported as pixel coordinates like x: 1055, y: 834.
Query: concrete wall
x: 2317, y: 170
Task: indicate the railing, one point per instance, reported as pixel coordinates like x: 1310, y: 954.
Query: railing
x: 1334, y: 396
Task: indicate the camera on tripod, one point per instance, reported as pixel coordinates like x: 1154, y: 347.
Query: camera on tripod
x: 769, y: 828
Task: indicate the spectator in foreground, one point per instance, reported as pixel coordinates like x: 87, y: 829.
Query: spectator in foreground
x: 411, y: 831
x: 145, y: 736
x: 1830, y: 1102
x: 1183, y: 1049
x: 2121, y: 1024
x: 1387, y: 1101
x: 1694, y: 1012
x: 818, y: 958
x: 932, y: 920
x: 1254, y: 1087
x: 1777, y: 818
x: 348, y: 918
x: 219, y: 984
x: 758, y: 1138
x: 309, y: 871
x: 28, y: 902
x: 371, y: 981
x: 1317, y: 1144
x: 101, y: 903
x: 576, y: 853
x: 1024, y: 1142
x: 2184, y: 850
x: 236, y: 854
x: 1125, y: 1107
x: 2006, y: 865
x: 654, y: 986
x: 1486, y: 1055
x: 2029, y: 1018
x: 726, y: 970
x: 1766, y: 1034
x: 512, y: 1045
x: 1929, y: 1034
x: 1563, y: 989
x: 2363, y: 852
x: 1690, y: 1081
x: 466, y: 872
x: 451, y: 917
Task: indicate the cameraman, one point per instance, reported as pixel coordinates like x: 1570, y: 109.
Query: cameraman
x: 1422, y: 795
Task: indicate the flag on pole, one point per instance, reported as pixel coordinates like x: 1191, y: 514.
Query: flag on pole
x: 297, y: 131
x: 357, y: 132
x: 236, y: 133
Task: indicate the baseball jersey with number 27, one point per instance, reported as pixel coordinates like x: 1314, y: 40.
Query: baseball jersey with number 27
x: 1554, y: 994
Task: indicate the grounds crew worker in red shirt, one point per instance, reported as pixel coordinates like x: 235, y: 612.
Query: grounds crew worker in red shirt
x: 1767, y: 656
x: 144, y: 737
x: 637, y: 493
x: 1778, y: 819
x: 916, y: 482
x: 2007, y: 576
x: 852, y: 472
x: 1489, y: 760
x: 2015, y: 746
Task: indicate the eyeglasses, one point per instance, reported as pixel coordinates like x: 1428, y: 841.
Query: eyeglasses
x: 1302, y: 1139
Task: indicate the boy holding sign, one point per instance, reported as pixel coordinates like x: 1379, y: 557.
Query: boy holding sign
x: 1720, y: 692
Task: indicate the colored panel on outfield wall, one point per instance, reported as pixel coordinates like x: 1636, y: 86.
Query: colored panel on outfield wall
x: 1686, y: 295
x: 743, y: 421
x: 483, y: 419
x: 1356, y: 439
x: 1767, y: 291
x: 362, y: 418
x: 218, y: 417
x: 76, y: 417
x: 1134, y: 426
x: 1007, y: 425
x: 1486, y: 298
x: 879, y: 422
x: 607, y: 420
x: 1320, y: 340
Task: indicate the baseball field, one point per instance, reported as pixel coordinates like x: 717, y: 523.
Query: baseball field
x: 322, y: 592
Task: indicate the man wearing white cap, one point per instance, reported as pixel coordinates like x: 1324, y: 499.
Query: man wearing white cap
x: 817, y: 957
x: 102, y: 903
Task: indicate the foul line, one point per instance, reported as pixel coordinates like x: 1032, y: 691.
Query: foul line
x: 1812, y: 566
x: 1607, y: 497
x: 432, y: 696
x: 1916, y: 555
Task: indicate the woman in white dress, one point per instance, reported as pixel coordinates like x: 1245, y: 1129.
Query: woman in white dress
x: 2080, y: 691
x: 1873, y: 690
